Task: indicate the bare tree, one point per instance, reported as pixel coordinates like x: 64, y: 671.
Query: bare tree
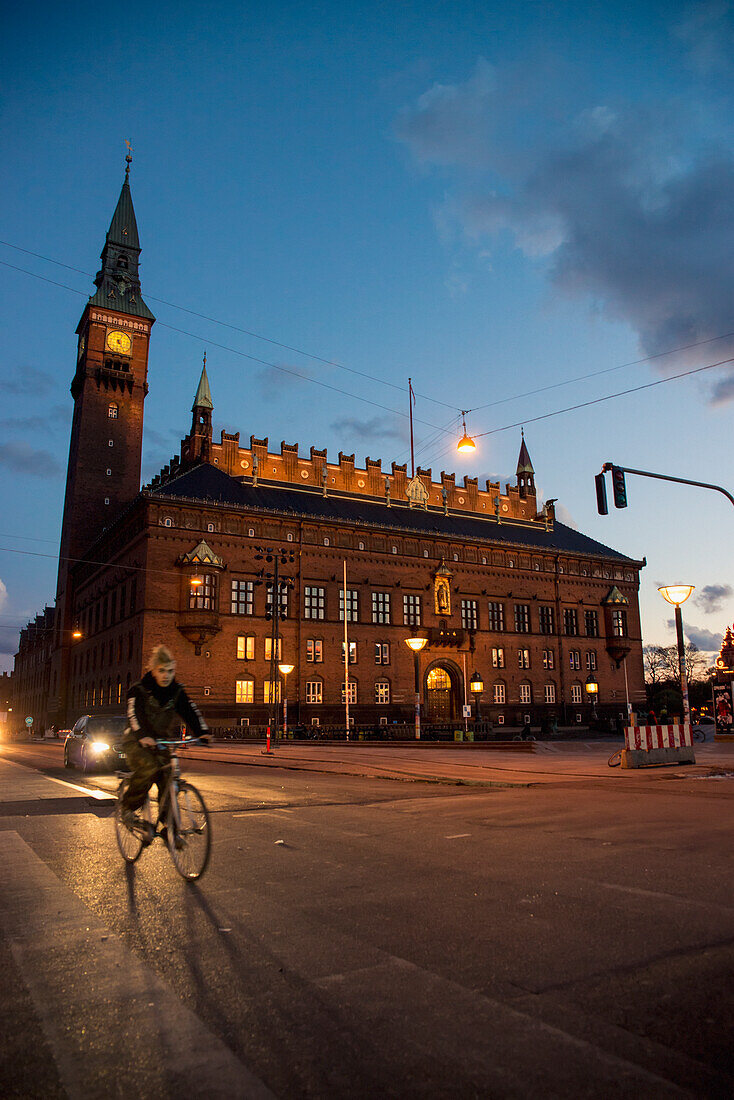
x: 656, y: 666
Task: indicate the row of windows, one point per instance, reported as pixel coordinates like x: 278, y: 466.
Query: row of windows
x: 314, y: 607
x: 245, y: 692
x: 246, y: 651
x: 109, y: 653
x: 110, y: 608
x: 271, y: 692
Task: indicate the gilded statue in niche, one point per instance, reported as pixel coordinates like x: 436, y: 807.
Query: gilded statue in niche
x: 442, y: 589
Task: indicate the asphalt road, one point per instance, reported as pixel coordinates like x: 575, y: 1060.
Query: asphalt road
x: 361, y: 936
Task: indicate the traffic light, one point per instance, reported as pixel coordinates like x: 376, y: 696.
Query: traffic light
x: 619, y: 488
x: 601, y: 495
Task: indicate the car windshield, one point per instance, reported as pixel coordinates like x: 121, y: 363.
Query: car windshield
x: 106, y: 727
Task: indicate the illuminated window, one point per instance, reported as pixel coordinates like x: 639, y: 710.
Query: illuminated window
x: 314, y: 650
x: 271, y: 691
x: 523, y: 658
x: 352, y: 693
x: 382, y: 653
x: 112, y: 411
x: 525, y: 693
x: 499, y: 692
x: 244, y: 691
x: 314, y: 691
x: 549, y: 659
x: 575, y: 693
x: 382, y: 692
x: 204, y: 596
x: 269, y: 649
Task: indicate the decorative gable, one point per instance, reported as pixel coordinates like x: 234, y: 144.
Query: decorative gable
x: 202, y: 555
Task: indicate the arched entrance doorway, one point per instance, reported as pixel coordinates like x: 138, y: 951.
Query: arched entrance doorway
x: 442, y: 693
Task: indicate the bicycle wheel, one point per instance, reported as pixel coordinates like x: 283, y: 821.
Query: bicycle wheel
x: 129, y: 841
x: 190, y: 838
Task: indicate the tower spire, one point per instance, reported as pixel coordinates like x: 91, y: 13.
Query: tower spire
x: 118, y: 280
x: 525, y: 471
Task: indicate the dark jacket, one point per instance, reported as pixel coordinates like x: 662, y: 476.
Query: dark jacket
x: 154, y: 711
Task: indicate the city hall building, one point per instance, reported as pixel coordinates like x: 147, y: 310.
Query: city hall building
x: 241, y: 557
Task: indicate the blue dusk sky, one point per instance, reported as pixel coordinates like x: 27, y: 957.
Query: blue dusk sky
x: 522, y: 206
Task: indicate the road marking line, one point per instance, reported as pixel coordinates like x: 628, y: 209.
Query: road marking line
x: 76, y: 971
x: 457, y: 836
x: 93, y: 792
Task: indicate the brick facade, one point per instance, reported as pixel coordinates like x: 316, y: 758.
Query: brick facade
x: 493, y: 583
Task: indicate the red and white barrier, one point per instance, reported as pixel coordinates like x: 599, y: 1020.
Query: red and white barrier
x: 645, y: 745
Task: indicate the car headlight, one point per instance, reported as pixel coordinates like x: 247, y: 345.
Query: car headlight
x: 99, y: 746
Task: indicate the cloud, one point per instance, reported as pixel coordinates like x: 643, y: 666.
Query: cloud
x: 706, y: 640
x: 9, y: 636
x: 450, y: 123
x: 24, y: 459
x: 27, y: 380
x: 711, y: 597
x: 623, y: 207
x: 377, y: 427
x: 3, y: 594
x: 565, y: 516
x: 707, y: 31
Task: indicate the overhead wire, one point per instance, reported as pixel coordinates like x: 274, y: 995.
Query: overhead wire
x: 343, y: 366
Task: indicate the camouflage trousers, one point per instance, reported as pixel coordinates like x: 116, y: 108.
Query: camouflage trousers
x: 147, y: 768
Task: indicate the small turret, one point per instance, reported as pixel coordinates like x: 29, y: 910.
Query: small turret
x: 525, y: 472
x: 201, y: 421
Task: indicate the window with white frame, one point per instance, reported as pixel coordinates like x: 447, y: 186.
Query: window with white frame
x: 381, y: 607
x: 549, y: 659
x: 522, y: 618
x: 352, y: 605
x: 382, y: 692
x: 243, y: 597
x: 525, y: 693
x: 590, y: 661
x: 244, y: 691
x: 550, y: 693
x: 352, y: 693
x: 411, y: 610
x: 271, y: 691
x: 619, y: 623
x: 574, y: 659
x: 245, y: 647
x: 314, y: 602
x: 498, y: 657
x: 204, y: 596
x: 545, y: 619
x: 382, y: 653
x: 314, y: 650
x: 575, y: 693
x: 523, y: 658
x: 495, y: 616
x: 469, y: 614
x: 269, y: 649
x: 314, y: 691
x: 499, y: 692
x: 352, y: 653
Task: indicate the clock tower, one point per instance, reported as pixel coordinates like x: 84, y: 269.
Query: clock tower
x: 109, y: 388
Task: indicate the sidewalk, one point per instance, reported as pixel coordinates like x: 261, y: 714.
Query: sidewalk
x: 547, y: 762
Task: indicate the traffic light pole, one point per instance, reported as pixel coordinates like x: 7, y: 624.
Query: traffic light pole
x: 668, y: 477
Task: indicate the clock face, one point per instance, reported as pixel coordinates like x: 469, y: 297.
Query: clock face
x: 119, y: 342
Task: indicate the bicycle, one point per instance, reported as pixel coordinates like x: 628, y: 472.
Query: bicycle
x: 183, y: 822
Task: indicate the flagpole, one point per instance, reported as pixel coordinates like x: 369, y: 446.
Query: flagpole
x: 411, y: 399
x: 346, y: 650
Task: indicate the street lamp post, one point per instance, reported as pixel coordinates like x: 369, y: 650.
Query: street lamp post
x: 476, y: 687
x: 417, y: 644
x: 284, y: 669
x: 676, y: 594
x: 592, y: 690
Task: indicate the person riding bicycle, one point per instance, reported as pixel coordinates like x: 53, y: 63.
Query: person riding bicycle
x: 155, y: 706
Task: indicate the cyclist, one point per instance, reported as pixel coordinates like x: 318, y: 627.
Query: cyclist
x: 155, y: 705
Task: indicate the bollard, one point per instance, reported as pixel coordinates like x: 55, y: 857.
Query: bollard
x: 267, y: 750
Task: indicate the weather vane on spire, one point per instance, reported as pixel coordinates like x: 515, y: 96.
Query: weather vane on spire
x: 129, y: 157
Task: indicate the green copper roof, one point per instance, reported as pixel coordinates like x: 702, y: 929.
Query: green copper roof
x: 203, y: 399
x: 123, y: 227
x: 524, y: 465
x: 118, y: 282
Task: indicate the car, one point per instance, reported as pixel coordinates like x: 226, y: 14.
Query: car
x: 94, y: 743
